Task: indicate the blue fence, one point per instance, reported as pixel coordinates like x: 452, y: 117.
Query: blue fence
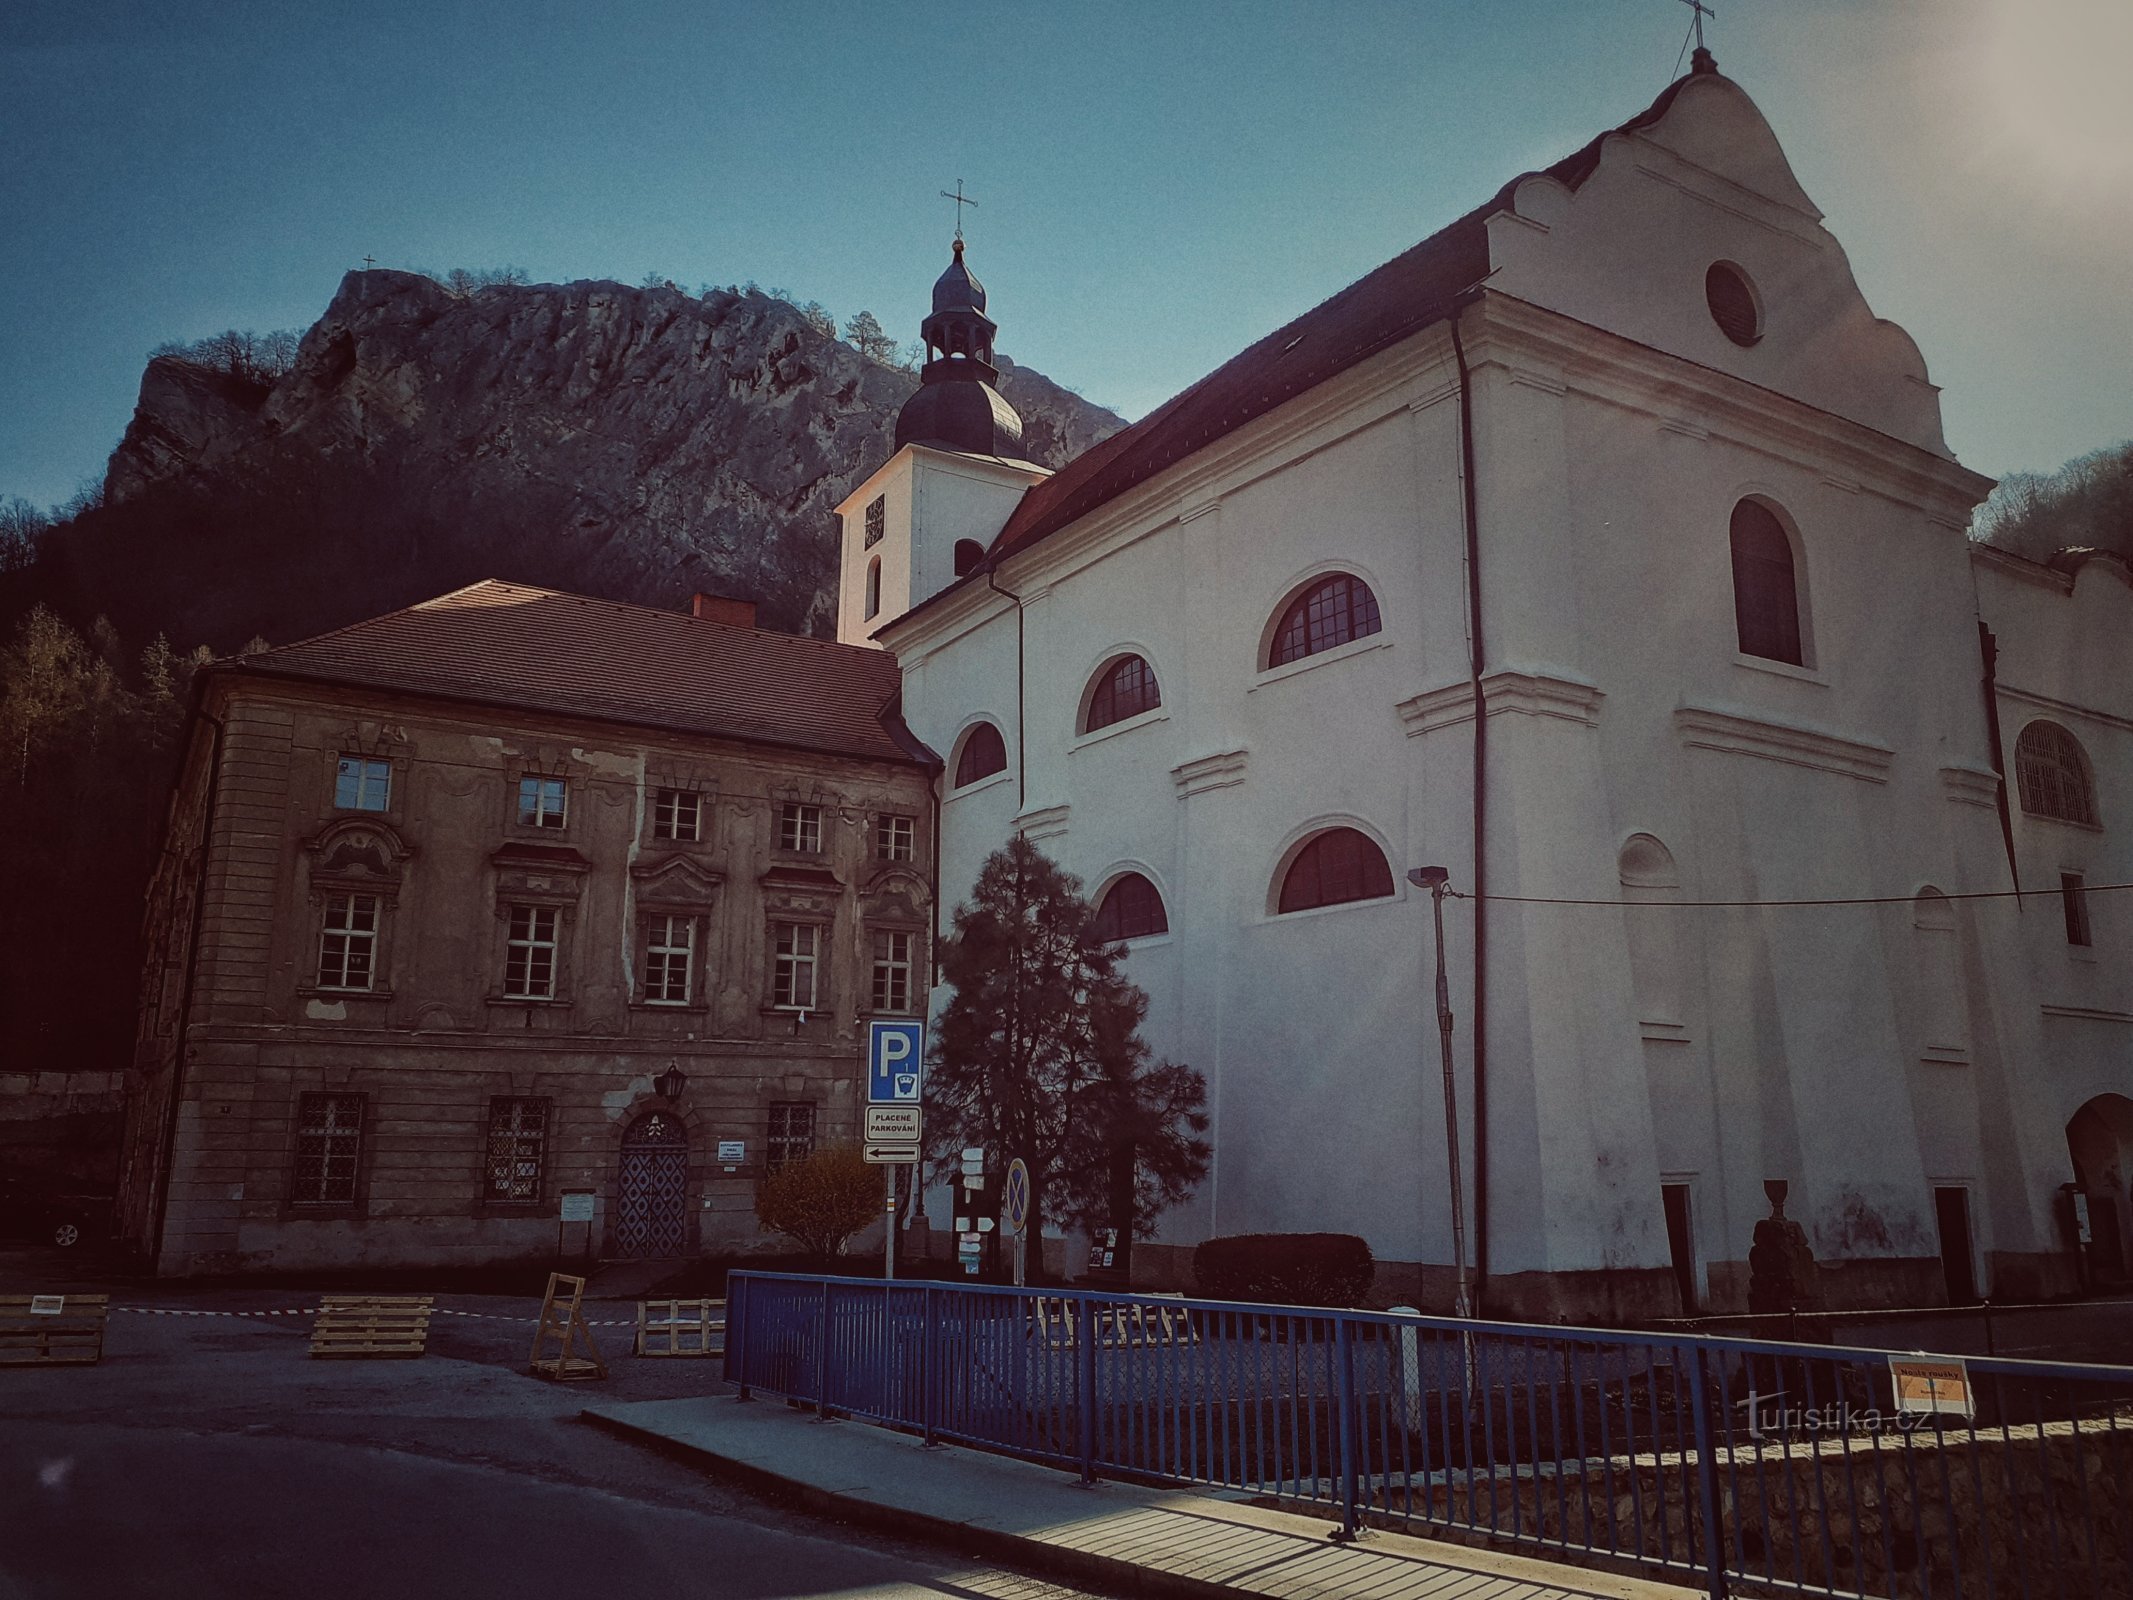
x: 1743, y: 1466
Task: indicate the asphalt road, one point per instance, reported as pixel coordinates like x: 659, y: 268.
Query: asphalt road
x: 209, y: 1456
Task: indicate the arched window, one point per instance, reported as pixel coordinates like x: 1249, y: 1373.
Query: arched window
x: 1337, y: 866
x: 1766, y: 596
x: 1132, y: 908
x: 873, y: 588
x: 984, y: 753
x: 968, y: 553
x: 1126, y: 688
x: 1331, y: 612
x: 2052, y: 771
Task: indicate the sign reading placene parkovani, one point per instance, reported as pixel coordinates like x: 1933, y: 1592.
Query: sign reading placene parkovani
x: 1932, y: 1386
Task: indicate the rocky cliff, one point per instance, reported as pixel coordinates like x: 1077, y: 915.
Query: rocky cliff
x: 639, y: 443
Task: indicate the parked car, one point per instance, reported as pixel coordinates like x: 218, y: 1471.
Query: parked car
x: 48, y: 1210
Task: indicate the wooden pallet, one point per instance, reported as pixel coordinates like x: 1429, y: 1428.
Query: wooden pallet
x: 688, y: 1327
x: 52, y: 1330
x: 1134, y: 1327
x: 563, y: 1320
x: 371, y: 1326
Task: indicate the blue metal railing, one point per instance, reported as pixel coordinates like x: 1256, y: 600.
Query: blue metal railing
x: 1781, y: 1467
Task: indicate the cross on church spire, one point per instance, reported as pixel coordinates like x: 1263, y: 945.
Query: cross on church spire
x: 1702, y: 60
x: 1701, y: 11
x: 961, y: 200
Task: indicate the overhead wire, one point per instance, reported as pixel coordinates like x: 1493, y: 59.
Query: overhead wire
x: 1745, y: 905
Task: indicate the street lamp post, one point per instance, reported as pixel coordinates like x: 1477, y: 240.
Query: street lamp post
x: 1437, y: 881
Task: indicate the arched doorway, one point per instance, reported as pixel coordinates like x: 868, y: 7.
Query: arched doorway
x: 652, y: 1188
x: 2100, y: 1139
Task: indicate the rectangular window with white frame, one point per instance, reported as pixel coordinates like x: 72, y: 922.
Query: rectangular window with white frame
x: 678, y: 815
x: 895, y: 836
x: 800, y: 828
x: 543, y: 802
x: 362, y: 783
x: 518, y: 1149
x: 669, y: 959
x: 348, y: 942
x: 892, y: 971
x: 796, y: 962
x: 530, y: 952
x: 329, y: 1149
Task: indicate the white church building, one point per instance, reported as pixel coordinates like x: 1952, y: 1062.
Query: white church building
x: 1622, y: 458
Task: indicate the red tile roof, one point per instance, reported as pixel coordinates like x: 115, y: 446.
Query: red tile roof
x: 1410, y: 292
x: 509, y: 644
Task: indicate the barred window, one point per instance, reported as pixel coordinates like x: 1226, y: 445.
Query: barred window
x: 797, y: 946
x: 877, y: 520
x: 1766, y: 595
x: 792, y: 1132
x: 984, y: 753
x: 678, y: 814
x: 1127, y: 688
x: 1332, y: 612
x: 669, y: 957
x: 895, y: 837
x: 1337, y: 866
x: 800, y: 828
x: 329, y: 1149
x: 892, y: 971
x: 2053, y: 773
x: 518, y: 1147
x: 530, y: 952
x: 1132, y: 908
x: 541, y: 802
x: 361, y: 784
x: 348, y: 942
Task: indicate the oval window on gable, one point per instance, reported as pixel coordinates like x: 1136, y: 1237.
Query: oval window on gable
x: 984, y: 753
x: 1733, y: 303
x: 1333, y: 611
x: 1132, y: 908
x: 1125, y: 688
x: 1335, y: 867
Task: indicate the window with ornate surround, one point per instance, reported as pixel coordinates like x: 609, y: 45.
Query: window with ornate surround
x: 531, y: 949
x: 895, y: 967
x: 800, y: 827
x: 362, y: 783
x: 348, y: 942
x: 678, y: 816
x: 329, y: 1149
x: 543, y: 802
x: 796, y: 962
x: 895, y: 836
x: 518, y: 1150
x: 669, y: 959
x: 877, y: 521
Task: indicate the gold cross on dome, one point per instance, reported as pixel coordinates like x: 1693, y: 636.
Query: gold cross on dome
x: 961, y: 200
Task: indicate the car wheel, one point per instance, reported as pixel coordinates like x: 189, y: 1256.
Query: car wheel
x: 66, y: 1235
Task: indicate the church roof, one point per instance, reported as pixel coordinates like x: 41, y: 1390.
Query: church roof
x: 510, y: 644
x: 1415, y: 289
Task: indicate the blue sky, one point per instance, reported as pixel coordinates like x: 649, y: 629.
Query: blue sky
x: 1159, y: 184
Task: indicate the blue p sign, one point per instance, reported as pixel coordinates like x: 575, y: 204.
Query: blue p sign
x: 896, y: 1052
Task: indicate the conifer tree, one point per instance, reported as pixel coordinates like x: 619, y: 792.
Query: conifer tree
x: 1038, y: 1055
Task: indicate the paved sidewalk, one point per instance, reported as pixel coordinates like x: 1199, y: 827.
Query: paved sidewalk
x: 1173, y: 1544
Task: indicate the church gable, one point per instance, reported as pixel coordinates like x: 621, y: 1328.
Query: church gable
x: 1686, y: 231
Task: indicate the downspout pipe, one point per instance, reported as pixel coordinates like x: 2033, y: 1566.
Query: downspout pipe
x: 1021, y: 744
x: 167, y: 1155
x: 1989, y: 653
x: 1476, y: 657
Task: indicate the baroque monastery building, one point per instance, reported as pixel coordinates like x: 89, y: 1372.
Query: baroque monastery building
x: 1623, y: 459
x: 510, y: 896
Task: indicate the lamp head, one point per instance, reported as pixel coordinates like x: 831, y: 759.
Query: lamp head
x: 1430, y: 878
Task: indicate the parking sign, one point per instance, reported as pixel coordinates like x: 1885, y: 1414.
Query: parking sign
x: 896, y: 1052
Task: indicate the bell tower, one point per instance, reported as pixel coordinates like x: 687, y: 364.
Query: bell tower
x: 928, y: 515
